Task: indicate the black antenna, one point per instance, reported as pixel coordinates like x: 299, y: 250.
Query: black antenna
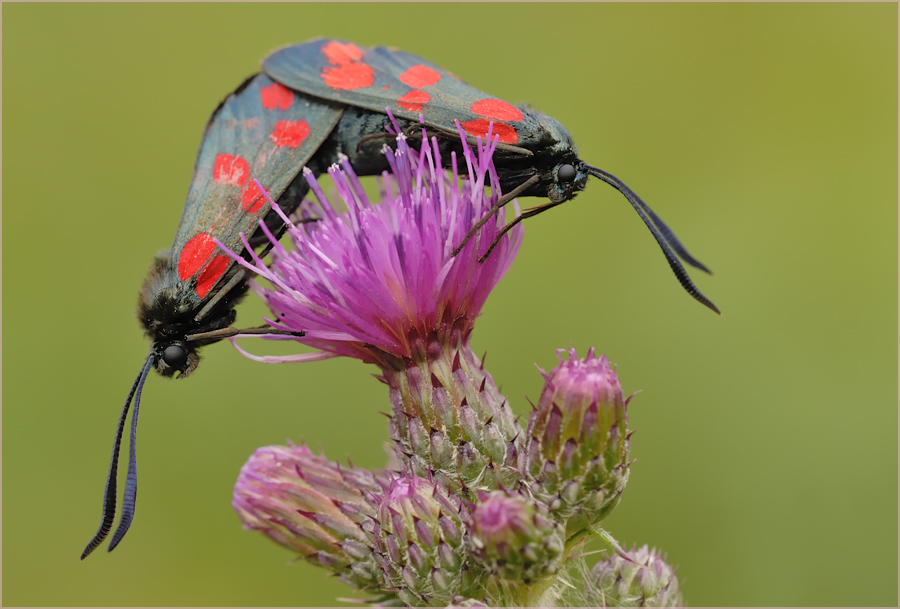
x: 109, y: 493
x: 663, y: 235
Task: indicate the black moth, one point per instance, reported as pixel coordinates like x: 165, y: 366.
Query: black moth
x: 312, y: 103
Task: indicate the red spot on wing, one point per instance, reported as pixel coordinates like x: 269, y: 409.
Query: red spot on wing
x: 231, y: 170
x: 497, y: 109
x: 252, y: 199
x: 341, y: 53
x: 289, y: 133
x: 412, y: 101
x: 420, y: 76
x: 276, y: 96
x: 479, y: 127
x: 349, y: 76
x: 194, y: 256
x: 348, y: 72
x: 211, y: 274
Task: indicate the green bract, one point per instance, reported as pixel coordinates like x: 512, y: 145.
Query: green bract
x: 419, y: 537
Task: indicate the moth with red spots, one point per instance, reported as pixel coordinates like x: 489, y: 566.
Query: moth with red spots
x: 314, y: 104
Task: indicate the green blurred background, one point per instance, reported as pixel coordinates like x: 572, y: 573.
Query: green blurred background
x: 764, y: 134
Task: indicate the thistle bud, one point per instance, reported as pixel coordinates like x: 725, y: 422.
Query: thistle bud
x: 314, y: 507
x: 419, y: 538
x: 577, y: 443
x: 449, y: 420
x: 620, y: 583
x: 515, y: 539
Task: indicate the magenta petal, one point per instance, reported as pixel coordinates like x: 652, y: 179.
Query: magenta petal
x: 374, y: 275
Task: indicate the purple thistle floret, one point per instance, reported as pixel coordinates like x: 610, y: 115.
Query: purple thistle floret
x: 374, y: 276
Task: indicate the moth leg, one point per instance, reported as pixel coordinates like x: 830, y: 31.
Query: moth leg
x: 528, y: 213
x: 500, y: 203
x: 370, y: 137
x: 414, y: 131
x: 216, y: 335
x: 264, y: 329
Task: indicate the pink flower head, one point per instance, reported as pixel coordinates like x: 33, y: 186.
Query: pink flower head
x: 377, y: 276
x: 580, y: 409
x: 499, y: 512
x: 578, y: 384
x: 512, y: 537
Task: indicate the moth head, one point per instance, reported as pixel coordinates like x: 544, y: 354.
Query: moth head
x: 175, y: 356
x: 568, y: 179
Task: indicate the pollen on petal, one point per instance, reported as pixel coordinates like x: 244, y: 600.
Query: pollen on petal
x: 497, y: 109
x: 479, y: 128
x: 289, y: 133
x: 419, y: 76
x: 230, y: 169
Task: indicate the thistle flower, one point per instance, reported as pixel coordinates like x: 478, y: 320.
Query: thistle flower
x: 419, y: 537
x: 375, y: 279
x: 577, y: 441
x: 314, y: 507
x: 651, y: 582
x: 380, y: 283
x: 515, y: 539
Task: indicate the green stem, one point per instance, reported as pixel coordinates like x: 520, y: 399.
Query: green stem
x: 515, y: 594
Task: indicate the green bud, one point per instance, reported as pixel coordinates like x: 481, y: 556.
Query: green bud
x: 515, y: 539
x: 577, y: 441
x: 314, y: 507
x: 449, y: 421
x: 419, y: 534
x: 615, y: 582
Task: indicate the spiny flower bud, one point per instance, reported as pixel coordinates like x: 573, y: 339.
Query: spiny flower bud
x: 619, y: 583
x: 515, y: 539
x: 577, y: 443
x: 419, y: 539
x: 314, y: 507
x: 449, y: 420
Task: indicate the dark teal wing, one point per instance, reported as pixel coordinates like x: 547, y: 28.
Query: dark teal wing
x: 263, y: 131
x: 381, y: 77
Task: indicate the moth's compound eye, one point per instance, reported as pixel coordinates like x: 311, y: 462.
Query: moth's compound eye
x: 175, y: 356
x: 566, y: 173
